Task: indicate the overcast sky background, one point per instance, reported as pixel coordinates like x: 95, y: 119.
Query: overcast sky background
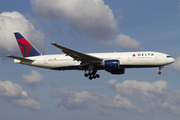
x: 90, y: 26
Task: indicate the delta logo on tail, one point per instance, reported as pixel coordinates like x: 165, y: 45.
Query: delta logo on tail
x: 27, y: 49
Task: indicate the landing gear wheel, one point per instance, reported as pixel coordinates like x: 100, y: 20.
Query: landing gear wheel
x: 86, y: 75
x: 90, y: 78
x: 97, y: 75
x: 92, y: 74
x: 160, y: 69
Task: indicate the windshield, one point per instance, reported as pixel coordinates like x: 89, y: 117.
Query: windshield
x: 168, y: 56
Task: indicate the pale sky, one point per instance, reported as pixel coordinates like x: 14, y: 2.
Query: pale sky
x: 90, y: 26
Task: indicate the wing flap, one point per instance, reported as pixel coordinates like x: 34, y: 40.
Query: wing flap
x: 77, y: 55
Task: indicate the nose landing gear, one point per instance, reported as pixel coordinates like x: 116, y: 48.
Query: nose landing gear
x: 92, y: 74
x: 160, y: 69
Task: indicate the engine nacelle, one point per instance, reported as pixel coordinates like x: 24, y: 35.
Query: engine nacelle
x: 117, y: 71
x: 111, y: 64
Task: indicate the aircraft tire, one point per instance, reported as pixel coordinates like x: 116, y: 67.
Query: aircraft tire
x: 86, y: 75
x: 97, y: 75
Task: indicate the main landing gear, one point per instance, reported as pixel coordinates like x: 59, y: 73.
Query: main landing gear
x: 160, y: 69
x: 92, y: 74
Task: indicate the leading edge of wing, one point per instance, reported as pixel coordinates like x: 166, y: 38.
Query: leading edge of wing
x: 77, y: 55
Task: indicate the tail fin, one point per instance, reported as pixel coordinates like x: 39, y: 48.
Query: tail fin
x: 27, y: 49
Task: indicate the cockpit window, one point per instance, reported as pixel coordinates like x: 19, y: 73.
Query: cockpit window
x: 168, y: 56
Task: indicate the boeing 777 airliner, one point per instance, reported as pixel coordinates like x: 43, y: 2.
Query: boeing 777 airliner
x: 115, y: 62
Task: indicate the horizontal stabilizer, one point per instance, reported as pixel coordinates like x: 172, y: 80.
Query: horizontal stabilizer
x: 20, y: 58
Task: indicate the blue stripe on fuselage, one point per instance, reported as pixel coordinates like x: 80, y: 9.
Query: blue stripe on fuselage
x: 67, y: 68
x: 77, y: 67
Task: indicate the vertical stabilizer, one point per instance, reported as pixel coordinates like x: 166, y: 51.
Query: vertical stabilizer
x: 27, y: 49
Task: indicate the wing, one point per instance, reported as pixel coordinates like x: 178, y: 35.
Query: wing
x: 20, y: 58
x: 78, y: 55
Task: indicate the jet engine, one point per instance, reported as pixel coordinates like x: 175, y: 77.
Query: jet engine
x: 111, y: 64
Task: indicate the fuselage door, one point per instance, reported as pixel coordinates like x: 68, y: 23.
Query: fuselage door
x: 156, y: 58
x: 45, y: 61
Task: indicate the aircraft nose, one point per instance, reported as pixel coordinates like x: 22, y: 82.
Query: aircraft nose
x: 170, y: 60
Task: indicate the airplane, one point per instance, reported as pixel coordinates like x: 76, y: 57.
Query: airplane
x: 114, y: 62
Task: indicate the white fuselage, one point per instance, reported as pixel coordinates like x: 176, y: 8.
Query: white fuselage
x: 127, y: 60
